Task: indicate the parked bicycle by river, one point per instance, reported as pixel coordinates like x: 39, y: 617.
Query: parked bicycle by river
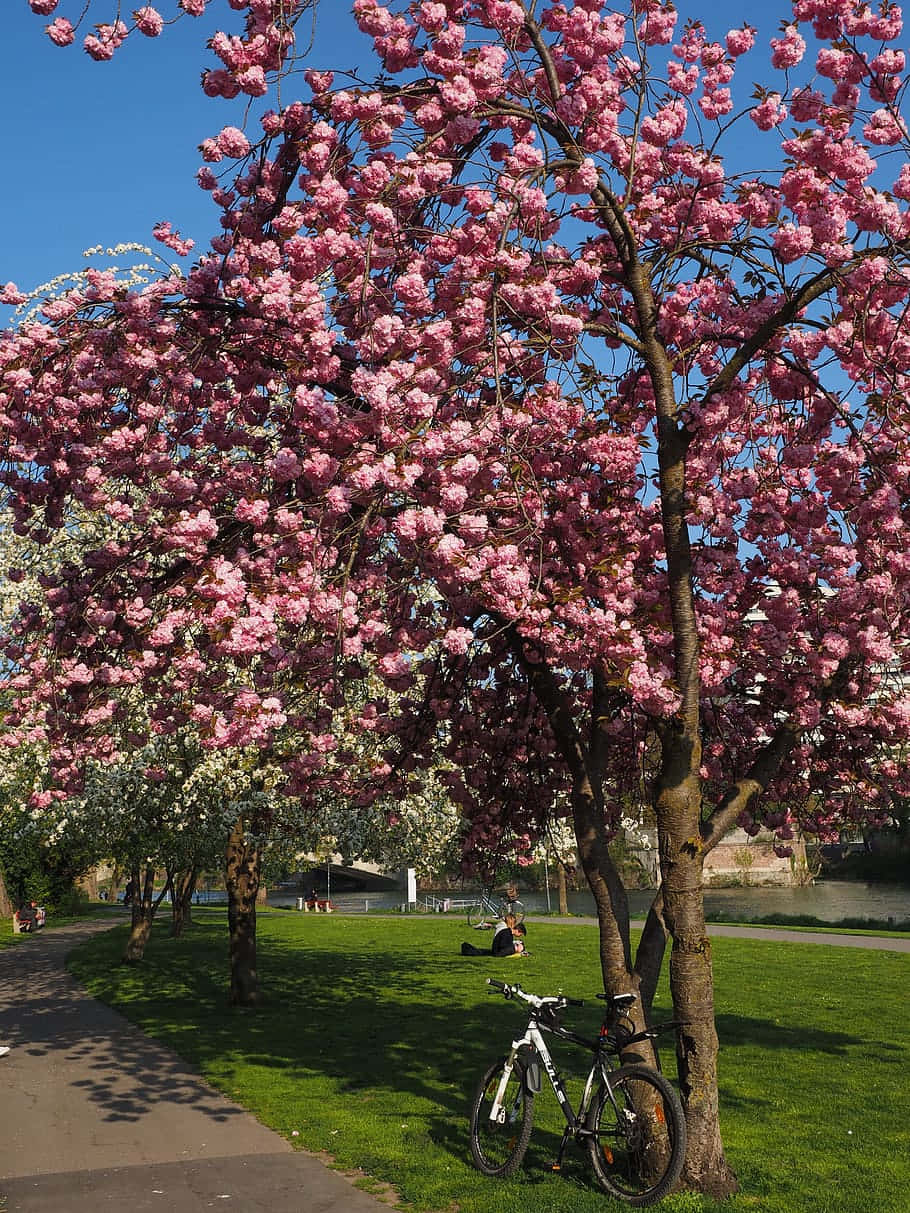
x: 490, y: 908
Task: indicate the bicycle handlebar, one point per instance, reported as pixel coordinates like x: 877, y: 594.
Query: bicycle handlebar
x: 534, y: 1000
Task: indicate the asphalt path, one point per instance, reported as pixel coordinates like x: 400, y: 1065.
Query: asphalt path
x: 95, y: 1115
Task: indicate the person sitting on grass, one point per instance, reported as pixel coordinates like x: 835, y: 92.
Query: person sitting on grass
x: 507, y: 940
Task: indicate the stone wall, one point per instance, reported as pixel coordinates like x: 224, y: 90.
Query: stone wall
x: 740, y: 859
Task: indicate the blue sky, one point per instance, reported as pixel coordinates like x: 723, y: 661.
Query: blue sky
x: 97, y: 153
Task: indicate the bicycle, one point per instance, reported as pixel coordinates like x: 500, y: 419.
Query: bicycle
x: 630, y: 1117
x: 486, y: 908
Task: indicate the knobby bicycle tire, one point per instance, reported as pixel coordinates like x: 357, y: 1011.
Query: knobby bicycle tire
x: 497, y: 1149
x: 638, y: 1146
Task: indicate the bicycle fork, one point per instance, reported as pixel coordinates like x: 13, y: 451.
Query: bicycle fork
x: 498, y: 1111
x: 535, y: 1041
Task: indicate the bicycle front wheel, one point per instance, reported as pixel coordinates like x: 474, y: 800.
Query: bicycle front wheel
x: 638, y: 1142
x: 476, y: 914
x: 497, y: 1147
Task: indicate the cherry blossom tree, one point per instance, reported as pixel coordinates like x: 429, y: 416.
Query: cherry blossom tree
x: 521, y: 370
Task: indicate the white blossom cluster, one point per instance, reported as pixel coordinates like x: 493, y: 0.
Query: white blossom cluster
x: 132, y: 274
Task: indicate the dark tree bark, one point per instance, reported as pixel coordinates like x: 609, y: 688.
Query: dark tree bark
x: 678, y: 800
x: 144, y: 906
x: 183, y: 886
x: 6, y: 906
x: 242, y: 882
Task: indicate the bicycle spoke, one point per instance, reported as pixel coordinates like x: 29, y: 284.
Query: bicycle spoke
x: 639, y: 1138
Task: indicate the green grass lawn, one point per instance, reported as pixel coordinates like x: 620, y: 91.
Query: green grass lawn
x: 374, y: 1031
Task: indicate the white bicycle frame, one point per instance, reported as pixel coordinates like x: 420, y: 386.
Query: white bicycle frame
x: 534, y: 1037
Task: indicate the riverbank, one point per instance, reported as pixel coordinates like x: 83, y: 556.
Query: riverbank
x: 846, y: 904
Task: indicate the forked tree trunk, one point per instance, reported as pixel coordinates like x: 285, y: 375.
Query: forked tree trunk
x: 680, y: 906
x: 680, y: 909
x: 242, y: 883
x: 144, y: 906
x: 183, y: 886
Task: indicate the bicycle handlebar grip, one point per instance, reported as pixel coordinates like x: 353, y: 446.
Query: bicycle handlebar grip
x: 498, y: 985
x: 574, y: 1002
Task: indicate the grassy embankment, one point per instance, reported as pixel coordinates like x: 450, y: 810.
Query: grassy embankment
x: 374, y: 1031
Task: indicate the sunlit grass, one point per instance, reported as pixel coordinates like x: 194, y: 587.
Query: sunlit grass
x: 374, y: 1032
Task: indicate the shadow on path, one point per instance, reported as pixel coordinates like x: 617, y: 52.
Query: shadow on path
x: 94, y: 1113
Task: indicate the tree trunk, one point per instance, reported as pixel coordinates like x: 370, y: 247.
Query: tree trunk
x: 677, y: 791
x: 242, y: 883
x: 607, y: 890
x: 143, y: 907
x: 89, y: 885
x: 678, y: 805
x: 652, y: 947
x: 115, y: 882
x: 183, y: 886
x: 6, y: 906
x: 561, y: 888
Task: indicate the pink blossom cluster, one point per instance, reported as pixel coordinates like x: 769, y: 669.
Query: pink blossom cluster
x: 248, y: 57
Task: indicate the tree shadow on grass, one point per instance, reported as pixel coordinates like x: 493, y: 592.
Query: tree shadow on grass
x: 738, y: 1030
x: 385, y: 1019
x: 368, y: 1018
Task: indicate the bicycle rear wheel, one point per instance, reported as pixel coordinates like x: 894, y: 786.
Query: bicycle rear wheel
x: 498, y: 1148
x: 638, y: 1145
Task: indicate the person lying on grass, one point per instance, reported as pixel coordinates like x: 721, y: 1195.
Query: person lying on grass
x: 507, y: 940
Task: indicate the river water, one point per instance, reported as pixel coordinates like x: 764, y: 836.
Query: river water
x: 828, y: 900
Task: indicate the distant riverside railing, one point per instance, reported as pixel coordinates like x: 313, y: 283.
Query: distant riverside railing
x: 442, y: 905
x: 353, y: 903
